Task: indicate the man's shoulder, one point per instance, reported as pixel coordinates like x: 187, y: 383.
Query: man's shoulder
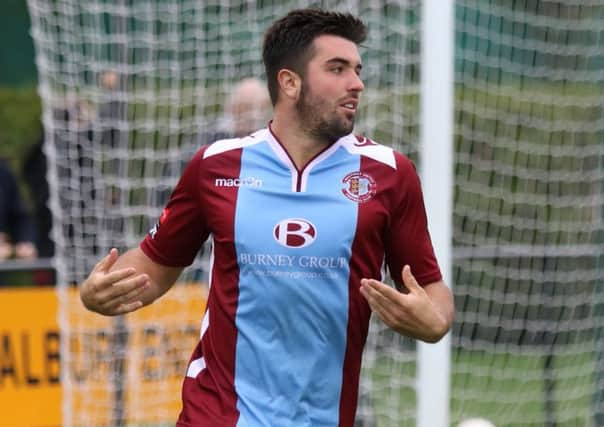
x: 229, y: 144
x: 363, y: 146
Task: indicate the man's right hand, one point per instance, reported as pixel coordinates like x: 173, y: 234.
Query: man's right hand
x: 113, y: 292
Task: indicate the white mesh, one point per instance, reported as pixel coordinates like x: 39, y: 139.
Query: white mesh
x: 528, y: 212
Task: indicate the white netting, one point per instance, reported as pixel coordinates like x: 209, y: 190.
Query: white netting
x: 130, y: 89
x: 528, y: 212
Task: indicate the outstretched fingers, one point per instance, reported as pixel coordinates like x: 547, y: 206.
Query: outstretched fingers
x: 413, y: 314
x: 118, y: 275
x: 105, y: 281
x: 112, y: 290
x: 409, y: 280
x: 378, y: 291
x: 104, y: 265
x: 124, y: 290
x: 381, y: 297
x: 128, y: 308
x: 383, y: 300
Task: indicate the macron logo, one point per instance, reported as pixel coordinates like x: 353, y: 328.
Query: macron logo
x: 238, y: 182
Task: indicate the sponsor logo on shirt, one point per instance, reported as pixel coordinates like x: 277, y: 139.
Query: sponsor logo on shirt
x: 358, y: 187
x: 249, y: 181
x: 293, y: 261
x: 295, y: 232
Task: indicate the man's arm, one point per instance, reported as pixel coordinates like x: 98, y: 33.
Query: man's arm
x: 121, y: 284
x: 424, y: 313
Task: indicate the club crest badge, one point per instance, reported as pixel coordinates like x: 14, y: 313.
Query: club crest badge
x: 358, y: 187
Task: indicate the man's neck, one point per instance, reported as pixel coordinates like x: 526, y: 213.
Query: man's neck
x: 299, y: 144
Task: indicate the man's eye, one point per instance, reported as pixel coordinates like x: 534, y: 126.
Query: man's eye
x: 337, y: 70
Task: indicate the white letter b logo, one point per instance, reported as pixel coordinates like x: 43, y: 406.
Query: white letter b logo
x: 295, y: 232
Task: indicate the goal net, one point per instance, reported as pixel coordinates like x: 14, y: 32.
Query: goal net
x: 130, y: 88
x: 529, y: 128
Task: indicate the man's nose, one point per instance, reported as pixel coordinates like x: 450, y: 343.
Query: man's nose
x: 356, y: 83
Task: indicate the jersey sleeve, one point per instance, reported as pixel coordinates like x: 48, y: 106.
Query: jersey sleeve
x: 408, y: 239
x: 181, y: 229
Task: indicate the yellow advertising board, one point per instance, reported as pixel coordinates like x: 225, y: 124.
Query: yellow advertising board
x: 30, y: 389
x: 34, y: 390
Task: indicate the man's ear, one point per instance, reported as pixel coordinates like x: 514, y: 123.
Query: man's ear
x: 290, y: 83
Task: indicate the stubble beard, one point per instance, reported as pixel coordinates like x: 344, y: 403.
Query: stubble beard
x: 312, y: 114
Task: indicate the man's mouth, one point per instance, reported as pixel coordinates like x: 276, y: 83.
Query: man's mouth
x: 351, y: 106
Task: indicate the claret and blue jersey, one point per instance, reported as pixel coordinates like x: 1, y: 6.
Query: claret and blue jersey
x: 285, y: 323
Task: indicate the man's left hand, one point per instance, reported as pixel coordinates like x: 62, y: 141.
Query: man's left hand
x: 415, y: 314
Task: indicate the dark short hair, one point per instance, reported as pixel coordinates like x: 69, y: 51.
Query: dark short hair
x: 288, y: 42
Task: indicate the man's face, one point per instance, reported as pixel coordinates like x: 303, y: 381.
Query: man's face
x: 331, y: 89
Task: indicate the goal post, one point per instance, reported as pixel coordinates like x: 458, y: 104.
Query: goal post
x: 436, y: 171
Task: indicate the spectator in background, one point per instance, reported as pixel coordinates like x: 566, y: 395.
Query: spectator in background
x: 34, y: 173
x: 17, y: 233
x: 248, y: 108
x: 110, y: 80
x: 112, y: 109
